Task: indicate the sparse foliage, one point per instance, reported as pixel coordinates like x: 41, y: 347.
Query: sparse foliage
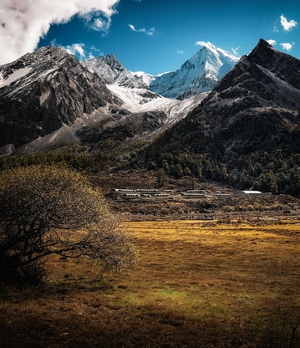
x: 50, y: 210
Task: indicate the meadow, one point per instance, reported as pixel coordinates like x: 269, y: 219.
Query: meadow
x: 196, y: 284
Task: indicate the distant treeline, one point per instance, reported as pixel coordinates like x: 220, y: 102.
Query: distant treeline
x: 72, y: 155
x: 76, y: 156
x: 276, y: 172
x: 262, y: 171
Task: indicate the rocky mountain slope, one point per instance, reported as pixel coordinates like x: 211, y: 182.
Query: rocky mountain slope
x: 49, y: 97
x: 132, y: 89
x: 42, y: 91
x: 253, y: 103
x: 197, y: 75
x: 247, y: 131
x: 113, y: 72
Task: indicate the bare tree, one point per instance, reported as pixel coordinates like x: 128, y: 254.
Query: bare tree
x: 51, y: 210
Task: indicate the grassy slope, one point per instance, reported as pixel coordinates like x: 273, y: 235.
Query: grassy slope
x: 197, y: 284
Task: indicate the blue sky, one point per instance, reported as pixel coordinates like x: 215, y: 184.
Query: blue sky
x: 159, y: 35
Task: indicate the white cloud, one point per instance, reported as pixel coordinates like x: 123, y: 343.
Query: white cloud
x: 287, y: 25
x: 131, y: 26
x: 95, y: 51
x: 81, y: 51
x: 98, y: 21
x: 272, y: 42
x: 179, y: 51
x: 76, y: 49
x: 287, y: 45
x: 149, y: 32
x: 23, y: 22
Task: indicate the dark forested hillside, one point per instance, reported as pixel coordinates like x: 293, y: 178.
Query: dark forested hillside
x: 246, y: 132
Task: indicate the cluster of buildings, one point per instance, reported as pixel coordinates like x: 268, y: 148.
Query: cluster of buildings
x: 146, y: 193
x: 128, y: 194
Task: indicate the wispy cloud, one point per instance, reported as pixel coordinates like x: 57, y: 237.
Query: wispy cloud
x: 77, y: 49
x: 94, y: 51
x: 287, y: 25
x: 180, y: 51
x: 287, y: 45
x: 235, y: 51
x: 98, y: 21
x: 23, y: 23
x: 149, y: 32
x: 81, y: 51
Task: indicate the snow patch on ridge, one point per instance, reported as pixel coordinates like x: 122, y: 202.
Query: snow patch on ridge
x: 139, y: 100
x: 16, y: 75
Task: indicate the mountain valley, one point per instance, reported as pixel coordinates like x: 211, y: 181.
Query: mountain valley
x: 233, y: 122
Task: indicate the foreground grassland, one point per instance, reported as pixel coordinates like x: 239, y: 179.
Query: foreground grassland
x: 196, y: 284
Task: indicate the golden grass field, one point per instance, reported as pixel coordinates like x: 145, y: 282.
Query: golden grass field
x: 196, y: 284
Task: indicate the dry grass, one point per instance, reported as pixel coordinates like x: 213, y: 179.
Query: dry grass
x: 197, y: 284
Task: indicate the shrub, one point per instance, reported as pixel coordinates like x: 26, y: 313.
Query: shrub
x: 50, y: 210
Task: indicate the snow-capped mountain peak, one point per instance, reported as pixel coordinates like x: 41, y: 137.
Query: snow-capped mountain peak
x: 217, y: 50
x: 144, y: 77
x: 197, y: 75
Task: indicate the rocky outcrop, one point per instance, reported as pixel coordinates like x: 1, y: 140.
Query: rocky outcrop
x: 124, y: 127
x: 112, y: 71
